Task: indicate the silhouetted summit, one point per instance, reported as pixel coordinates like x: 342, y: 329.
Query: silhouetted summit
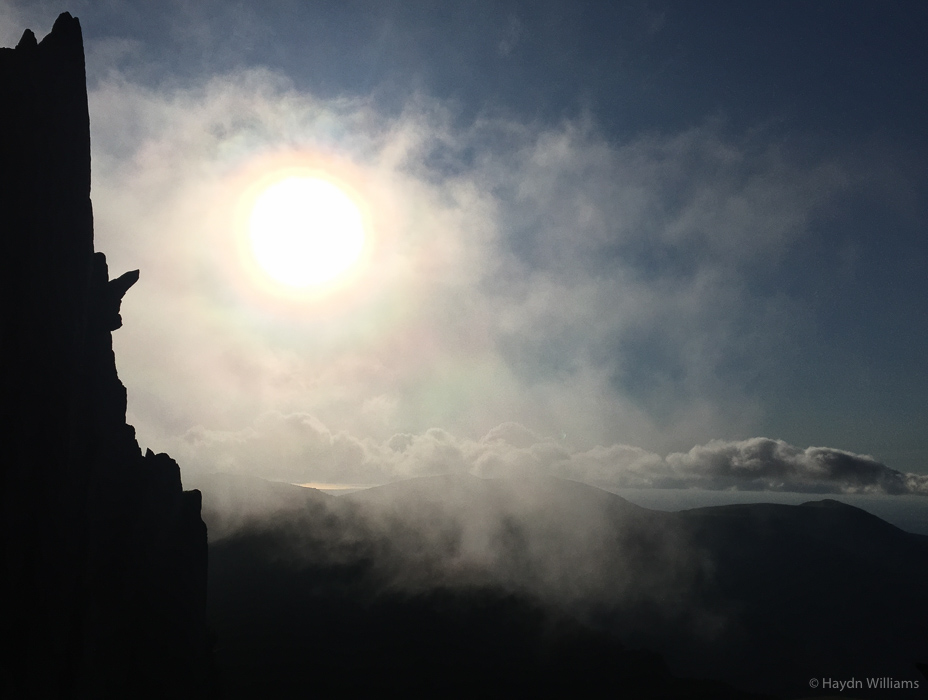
x: 104, y: 555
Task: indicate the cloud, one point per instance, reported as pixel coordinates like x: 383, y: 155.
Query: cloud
x: 532, y: 273
x: 774, y: 465
x: 298, y: 448
x: 511, y: 36
x: 15, y: 17
x: 294, y: 447
x: 755, y: 464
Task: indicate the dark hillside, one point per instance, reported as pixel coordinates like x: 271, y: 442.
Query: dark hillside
x: 456, y: 579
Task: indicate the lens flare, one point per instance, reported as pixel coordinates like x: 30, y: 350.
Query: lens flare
x: 305, y: 231
x: 299, y: 236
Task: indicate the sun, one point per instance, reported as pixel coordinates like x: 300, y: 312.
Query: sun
x: 305, y: 231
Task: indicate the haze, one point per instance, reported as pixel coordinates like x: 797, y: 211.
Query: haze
x: 650, y: 246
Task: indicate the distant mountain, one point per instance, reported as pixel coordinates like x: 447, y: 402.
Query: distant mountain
x: 456, y: 582
x: 817, y: 590
x: 236, y: 501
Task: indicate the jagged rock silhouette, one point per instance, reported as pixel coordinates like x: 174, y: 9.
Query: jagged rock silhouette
x: 104, y: 555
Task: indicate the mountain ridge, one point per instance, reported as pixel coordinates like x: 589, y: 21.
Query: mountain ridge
x: 757, y: 595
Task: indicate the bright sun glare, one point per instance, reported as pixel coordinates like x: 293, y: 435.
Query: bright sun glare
x: 305, y: 231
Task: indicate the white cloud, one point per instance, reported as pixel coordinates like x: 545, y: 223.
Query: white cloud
x: 300, y: 449
x: 539, y: 274
x: 763, y: 464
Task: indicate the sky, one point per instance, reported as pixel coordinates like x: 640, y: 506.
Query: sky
x: 637, y: 244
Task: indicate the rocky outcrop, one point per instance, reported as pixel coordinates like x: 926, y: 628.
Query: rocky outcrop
x: 104, y: 555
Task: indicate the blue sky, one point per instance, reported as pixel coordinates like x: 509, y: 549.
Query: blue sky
x: 612, y: 226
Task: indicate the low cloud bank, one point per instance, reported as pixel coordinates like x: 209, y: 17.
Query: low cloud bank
x: 763, y: 464
x: 300, y: 449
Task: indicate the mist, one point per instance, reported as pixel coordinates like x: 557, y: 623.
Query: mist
x: 606, y: 401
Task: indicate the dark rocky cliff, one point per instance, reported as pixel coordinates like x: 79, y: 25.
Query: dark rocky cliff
x: 104, y: 555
